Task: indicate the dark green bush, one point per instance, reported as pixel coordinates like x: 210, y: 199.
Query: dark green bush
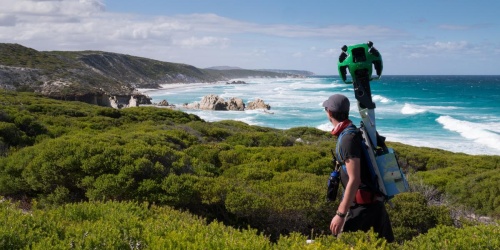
x: 446, y: 237
x: 469, y: 179
x: 11, y: 135
x: 118, y: 226
x: 156, y: 115
x: 109, y: 112
x: 55, y: 152
x: 412, y: 216
x: 102, y: 167
x: 211, y: 132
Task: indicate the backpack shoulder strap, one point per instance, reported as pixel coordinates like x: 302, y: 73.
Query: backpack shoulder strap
x: 338, y: 151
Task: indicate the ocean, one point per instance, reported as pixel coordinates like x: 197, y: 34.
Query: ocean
x: 454, y: 113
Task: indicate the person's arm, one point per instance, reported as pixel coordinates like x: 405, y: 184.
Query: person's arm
x: 354, y: 172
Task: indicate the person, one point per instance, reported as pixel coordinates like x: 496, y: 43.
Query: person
x: 361, y: 208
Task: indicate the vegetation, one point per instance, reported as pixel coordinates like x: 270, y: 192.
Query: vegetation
x: 467, y: 179
x: 129, y: 225
x: 18, y: 56
x: 69, y: 75
x: 95, y: 177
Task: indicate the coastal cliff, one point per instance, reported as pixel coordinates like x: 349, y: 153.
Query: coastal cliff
x: 101, y: 78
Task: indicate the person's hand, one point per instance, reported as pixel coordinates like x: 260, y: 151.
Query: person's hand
x: 336, y: 225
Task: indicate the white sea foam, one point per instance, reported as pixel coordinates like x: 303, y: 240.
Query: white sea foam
x: 490, y: 120
x: 379, y: 98
x: 448, y: 143
x: 492, y: 126
x: 302, y: 85
x: 325, y: 126
x: 411, y: 109
x: 298, y: 102
x: 476, y: 132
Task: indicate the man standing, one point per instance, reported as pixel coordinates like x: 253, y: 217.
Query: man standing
x: 361, y: 207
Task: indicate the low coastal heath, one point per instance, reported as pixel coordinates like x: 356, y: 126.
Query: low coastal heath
x: 454, y: 113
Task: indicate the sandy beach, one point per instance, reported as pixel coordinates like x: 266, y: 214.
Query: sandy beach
x: 167, y: 86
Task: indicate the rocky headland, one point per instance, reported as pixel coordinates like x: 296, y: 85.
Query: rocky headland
x: 103, y: 78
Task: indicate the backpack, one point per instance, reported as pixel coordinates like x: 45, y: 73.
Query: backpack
x: 387, y: 178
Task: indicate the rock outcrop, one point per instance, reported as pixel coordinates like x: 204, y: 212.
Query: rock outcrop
x: 258, y: 104
x: 214, y: 102
x: 163, y: 103
x: 108, y: 100
x: 235, y: 104
x: 236, y: 82
x: 128, y: 101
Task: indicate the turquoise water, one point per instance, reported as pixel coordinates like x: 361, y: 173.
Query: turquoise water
x: 455, y: 113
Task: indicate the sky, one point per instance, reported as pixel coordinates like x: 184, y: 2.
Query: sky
x: 425, y: 37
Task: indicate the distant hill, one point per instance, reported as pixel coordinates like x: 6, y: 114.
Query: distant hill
x: 223, y: 67
x: 95, y: 76
x: 246, y: 73
x: 290, y: 71
x: 280, y: 71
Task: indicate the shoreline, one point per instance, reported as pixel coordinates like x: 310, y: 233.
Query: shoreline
x: 167, y: 86
x: 296, y: 102
x: 173, y: 107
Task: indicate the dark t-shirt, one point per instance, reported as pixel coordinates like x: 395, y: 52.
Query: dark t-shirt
x: 349, y: 148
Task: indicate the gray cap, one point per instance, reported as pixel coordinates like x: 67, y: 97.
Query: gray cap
x: 337, y: 103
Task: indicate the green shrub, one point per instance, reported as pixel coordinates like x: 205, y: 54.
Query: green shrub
x: 179, y: 190
x: 354, y: 240
x: 109, y: 112
x: 411, y: 216
x: 11, y: 135
x: 156, y: 115
x: 207, y: 153
x: 211, y: 132
x: 54, y: 152
x: 469, y: 179
x: 446, y: 237
x: 106, y: 166
x: 118, y: 226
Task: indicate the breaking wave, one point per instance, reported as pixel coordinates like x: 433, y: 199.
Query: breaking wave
x: 411, y: 109
x: 382, y: 99
x: 479, y: 133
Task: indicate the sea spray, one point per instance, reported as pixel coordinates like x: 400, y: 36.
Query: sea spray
x: 430, y: 111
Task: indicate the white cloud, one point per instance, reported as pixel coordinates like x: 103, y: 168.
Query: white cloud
x: 206, y: 39
x: 451, y: 45
x: 52, y: 8
x: 418, y: 55
x: 86, y: 21
x: 202, y: 42
x: 427, y: 49
x: 132, y: 29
